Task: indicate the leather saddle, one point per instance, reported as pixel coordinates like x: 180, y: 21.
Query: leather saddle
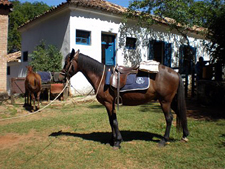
x: 119, y: 77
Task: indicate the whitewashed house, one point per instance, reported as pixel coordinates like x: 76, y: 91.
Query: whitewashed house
x: 97, y: 29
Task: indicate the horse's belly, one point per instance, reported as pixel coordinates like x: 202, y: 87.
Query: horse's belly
x: 136, y: 98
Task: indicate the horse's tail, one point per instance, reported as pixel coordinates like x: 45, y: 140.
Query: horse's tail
x: 181, y: 112
x: 34, y: 86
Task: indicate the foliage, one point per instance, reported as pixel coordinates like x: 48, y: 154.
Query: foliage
x: 22, y: 12
x: 185, y: 14
x: 76, y: 136
x: 46, y: 58
x: 216, y: 34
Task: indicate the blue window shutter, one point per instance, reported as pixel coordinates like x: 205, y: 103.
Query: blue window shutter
x: 181, y: 59
x: 151, y: 50
x: 167, y: 54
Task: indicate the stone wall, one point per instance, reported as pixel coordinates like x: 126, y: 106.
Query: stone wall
x: 3, y: 48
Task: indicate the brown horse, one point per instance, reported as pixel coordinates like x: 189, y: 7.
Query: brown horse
x: 32, y: 87
x: 167, y: 87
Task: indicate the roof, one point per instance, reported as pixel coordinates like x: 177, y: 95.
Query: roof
x: 99, y: 4
x: 91, y: 4
x: 105, y: 6
x: 6, y: 3
x: 14, y: 57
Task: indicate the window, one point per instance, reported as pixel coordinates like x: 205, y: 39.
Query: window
x: 83, y: 37
x: 8, y: 70
x: 187, y: 59
x: 25, y: 56
x: 131, y: 43
x: 160, y: 51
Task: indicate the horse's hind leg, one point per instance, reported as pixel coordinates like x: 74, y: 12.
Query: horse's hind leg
x: 169, y: 118
x: 33, y: 98
x: 116, y: 135
x: 38, y: 99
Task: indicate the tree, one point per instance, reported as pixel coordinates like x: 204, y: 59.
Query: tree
x: 184, y: 15
x: 22, y: 12
x: 46, y: 58
x: 216, y: 34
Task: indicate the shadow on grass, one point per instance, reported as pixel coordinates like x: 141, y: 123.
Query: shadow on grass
x: 96, y: 106
x: 205, y: 112
x: 151, y: 107
x: 104, y: 137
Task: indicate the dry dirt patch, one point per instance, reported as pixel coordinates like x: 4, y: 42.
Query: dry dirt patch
x: 12, y: 139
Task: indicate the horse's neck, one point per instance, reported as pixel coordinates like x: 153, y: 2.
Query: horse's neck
x: 93, y: 78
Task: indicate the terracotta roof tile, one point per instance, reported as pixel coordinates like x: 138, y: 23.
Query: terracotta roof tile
x: 14, y: 57
x: 99, y: 4
x: 5, y: 3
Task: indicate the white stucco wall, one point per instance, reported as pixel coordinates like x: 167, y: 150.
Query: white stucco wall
x: 97, y: 24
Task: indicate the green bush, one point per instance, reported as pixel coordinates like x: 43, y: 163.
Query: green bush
x: 46, y: 58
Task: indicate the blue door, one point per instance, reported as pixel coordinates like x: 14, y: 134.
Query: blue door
x: 108, y: 50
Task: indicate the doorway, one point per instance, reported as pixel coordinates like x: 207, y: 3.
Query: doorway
x: 108, y: 49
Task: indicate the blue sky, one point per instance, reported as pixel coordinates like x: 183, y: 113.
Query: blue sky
x: 123, y: 3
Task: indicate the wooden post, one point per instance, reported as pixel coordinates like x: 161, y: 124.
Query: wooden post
x: 11, y: 91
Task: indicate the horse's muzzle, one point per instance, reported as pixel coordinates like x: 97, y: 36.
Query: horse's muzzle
x: 62, y: 77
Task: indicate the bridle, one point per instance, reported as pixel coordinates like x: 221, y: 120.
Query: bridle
x: 67, y: 74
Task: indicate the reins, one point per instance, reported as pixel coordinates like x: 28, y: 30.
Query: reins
x: 100, y: 81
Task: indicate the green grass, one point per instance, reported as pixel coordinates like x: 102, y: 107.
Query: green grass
x: 76, y: 136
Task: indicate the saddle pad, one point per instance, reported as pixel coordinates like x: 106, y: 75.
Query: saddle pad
x: 149, y: 66
x: 45, y: 76
x: 135, y: 82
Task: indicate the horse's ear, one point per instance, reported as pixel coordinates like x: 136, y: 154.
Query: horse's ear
x: 78, y: 51
x: 72, y: 54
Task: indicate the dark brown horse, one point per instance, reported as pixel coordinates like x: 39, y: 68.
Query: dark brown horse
x: 167, y: 87
x: 32, y: 87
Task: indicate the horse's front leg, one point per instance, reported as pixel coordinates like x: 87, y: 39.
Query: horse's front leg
x: 169, y: 118
x: 116, y: 135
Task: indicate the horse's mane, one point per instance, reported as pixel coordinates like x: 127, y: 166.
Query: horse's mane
x: 90, y: 64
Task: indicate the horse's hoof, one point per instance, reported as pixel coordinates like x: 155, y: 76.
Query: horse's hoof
x: 163, y: 143
x: 116, y: 148
x: 116, y: 145
x: 185, y: 139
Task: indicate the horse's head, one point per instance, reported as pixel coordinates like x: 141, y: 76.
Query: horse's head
x: 29, y: 69
x: 70, y: 67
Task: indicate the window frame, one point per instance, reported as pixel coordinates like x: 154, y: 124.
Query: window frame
x: 84, y: 33
x: 132, y: 43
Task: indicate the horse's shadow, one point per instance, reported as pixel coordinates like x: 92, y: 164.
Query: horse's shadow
x: 104, y: 137
x: 30, y: 108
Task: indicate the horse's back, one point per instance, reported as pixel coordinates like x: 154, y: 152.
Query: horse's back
x: 33, y: 82
x: 166, y: 82
x: 163, y: 86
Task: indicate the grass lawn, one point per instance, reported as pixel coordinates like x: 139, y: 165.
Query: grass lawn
x: 77, y: 135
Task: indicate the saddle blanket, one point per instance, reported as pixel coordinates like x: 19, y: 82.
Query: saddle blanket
x: 136, y: 82
x: 45, y: 76
x: 149, y: 66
